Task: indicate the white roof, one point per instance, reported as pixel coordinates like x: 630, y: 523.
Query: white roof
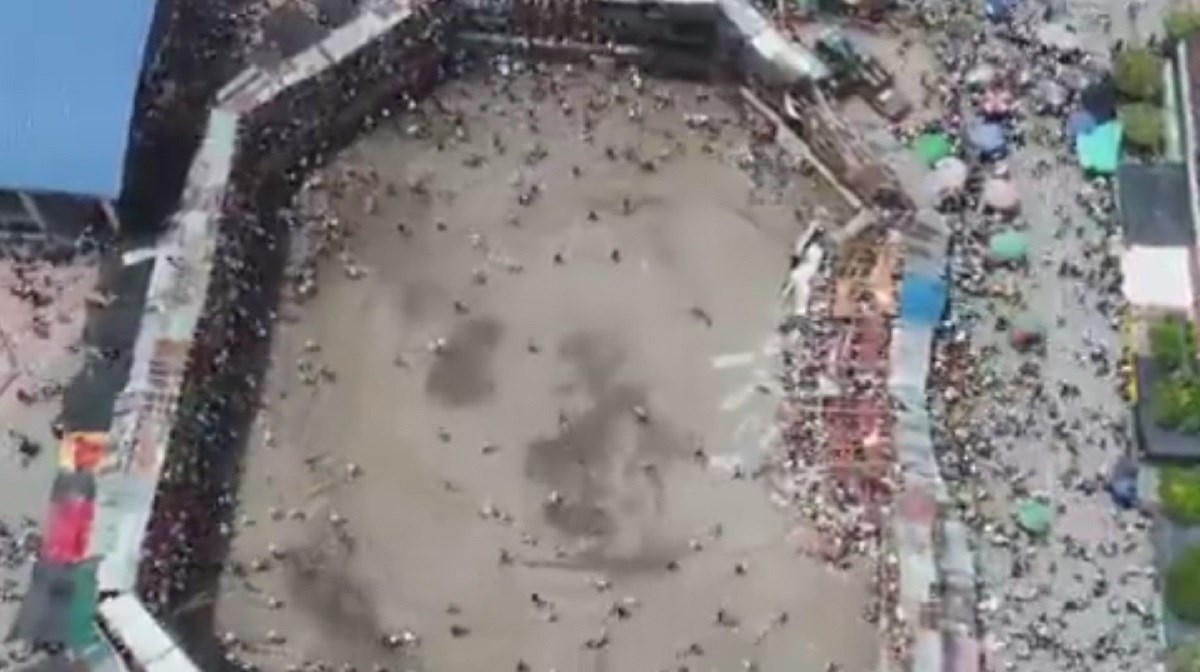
x: 1158, y: 277
x: 148, y: 644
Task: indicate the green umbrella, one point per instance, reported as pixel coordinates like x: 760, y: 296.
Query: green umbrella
x: 1034, y: 516
x: 1008, y: 246
x: 933, y: 147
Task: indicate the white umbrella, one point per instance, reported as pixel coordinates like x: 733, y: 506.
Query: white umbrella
x: 948, y: 178
x: 1001, y: 194
x: 981, y: 75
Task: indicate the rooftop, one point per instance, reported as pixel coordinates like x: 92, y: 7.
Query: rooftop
x: 1154, y: 204
x: 69, y: 73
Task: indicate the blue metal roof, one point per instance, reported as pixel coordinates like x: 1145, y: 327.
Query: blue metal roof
x: 69, y: 71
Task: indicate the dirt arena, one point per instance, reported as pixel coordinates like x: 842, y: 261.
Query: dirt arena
x: 510, y: 420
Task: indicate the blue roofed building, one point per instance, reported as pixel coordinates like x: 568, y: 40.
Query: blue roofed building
x: 69, y: 74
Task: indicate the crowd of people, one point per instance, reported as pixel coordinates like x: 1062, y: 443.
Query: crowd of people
x: 1029, y: 437
x: 191, y: 524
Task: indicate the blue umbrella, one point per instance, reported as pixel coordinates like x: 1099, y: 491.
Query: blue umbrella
x: 1122, y: 483
x: 999, y: 10
x: 1080, y: 122
x: 987, y: 139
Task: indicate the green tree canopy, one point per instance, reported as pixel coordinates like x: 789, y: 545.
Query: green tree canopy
x: 1179, y: 492
x: 1185, y: 658
x: 1181, y: 22
x: 1138, y: 74
x: 1173, y: 344
x: 1177, y: 404
x: 1182, y: 592
x: 1144, y: 130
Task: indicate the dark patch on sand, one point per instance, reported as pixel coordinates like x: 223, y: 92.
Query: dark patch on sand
x: 462, y: 376
x: 320, y: 582
x: 607, y: 466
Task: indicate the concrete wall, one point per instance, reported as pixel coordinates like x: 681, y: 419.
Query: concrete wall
x: 155, y: 495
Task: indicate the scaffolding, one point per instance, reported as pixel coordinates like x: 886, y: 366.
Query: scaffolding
x: 838, y: 419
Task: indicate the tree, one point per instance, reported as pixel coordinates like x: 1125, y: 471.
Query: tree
x: 1179, y: 492
x: 1177, y: 403
x: 1185, y: 658
x: 1181, y: 23
x: 1182, y: 586
x: 1138, y: 74
x: 1172, y: 343
x: 1144, y: 129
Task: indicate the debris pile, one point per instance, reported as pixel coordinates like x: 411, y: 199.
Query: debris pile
x: 838, y: 466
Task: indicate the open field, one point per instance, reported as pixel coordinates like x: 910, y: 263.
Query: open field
x: 507, y: 422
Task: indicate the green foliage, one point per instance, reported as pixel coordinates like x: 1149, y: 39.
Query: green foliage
x: 1181, y: 23
x: 1185, y: 658
x: 1177, y: 404
x: 1138, y: 74
x: 1179, y: 492
x: 1144, y: 128
x: 1182, y: 587
x: 1173, y: 344
x: 1176, y: 395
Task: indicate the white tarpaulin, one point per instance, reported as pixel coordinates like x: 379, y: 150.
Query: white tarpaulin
x: 1157, y: 277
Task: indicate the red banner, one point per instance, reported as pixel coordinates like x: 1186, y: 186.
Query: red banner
x: 68, y: 530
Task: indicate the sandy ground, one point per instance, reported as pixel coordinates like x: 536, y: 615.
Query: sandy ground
x: 510, y: 506
x: 30, y: 361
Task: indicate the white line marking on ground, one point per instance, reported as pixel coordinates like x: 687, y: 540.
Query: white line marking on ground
x: 135, y: 257
x: 733, y: 360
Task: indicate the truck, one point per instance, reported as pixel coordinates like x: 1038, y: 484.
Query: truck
x: 861, y: 73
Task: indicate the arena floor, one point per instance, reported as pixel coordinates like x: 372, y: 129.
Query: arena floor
x: 502, y: 500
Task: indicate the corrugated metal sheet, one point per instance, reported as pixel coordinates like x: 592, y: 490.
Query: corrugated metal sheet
x: 914, y: 543
x: 911, y: 350
x: 922, y: 298
x: 963, y: 648
x: 926, y: 240
x: 948, y: 642
x: 102, y: 657
x: 141, y: 427
x: 744, y: 17
x: 783, y: 60
x: 115, y: 534
x: 916, y: 455
x: 924, y: 294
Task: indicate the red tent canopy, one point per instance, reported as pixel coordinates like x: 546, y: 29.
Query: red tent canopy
x: 68, y: 530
